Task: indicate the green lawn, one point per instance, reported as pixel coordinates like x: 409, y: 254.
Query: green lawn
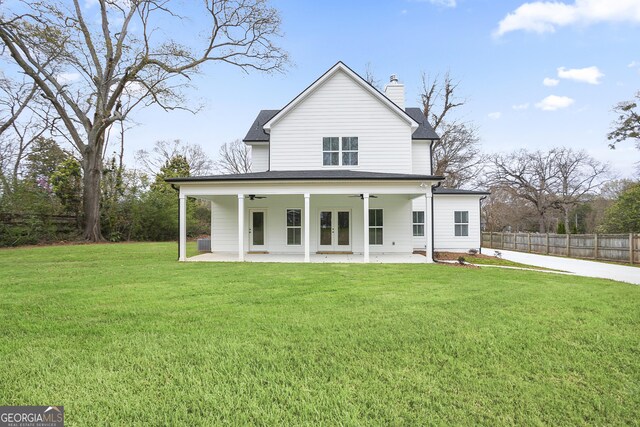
x: 124, y: 335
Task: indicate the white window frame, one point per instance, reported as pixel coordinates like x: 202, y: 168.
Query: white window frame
x: 343, y: 151
x: 381, y: 227
x: 287, y: 226
x: 415, y: 223
x: 331, y: 151
x: 464, y: 225
x: 340, y: 152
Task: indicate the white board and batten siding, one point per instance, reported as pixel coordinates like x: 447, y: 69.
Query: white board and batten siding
x: 341, y: 107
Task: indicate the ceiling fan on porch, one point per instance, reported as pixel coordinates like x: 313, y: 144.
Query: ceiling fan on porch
x: 371, y: 196
x: 254, y: 197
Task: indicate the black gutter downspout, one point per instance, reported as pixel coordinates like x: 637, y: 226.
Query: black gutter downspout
x: 480, y: 219
x: 433, y: 237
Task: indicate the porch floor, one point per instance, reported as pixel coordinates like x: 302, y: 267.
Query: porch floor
x: 315, y: 258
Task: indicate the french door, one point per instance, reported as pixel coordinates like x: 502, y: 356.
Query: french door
x: 257, y: 230
x: 335, y: 230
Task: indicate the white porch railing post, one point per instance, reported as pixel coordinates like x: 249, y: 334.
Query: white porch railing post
x: 307, y: 226
x: 240, y: 227
x: 365, y: 206
x: 183, y: 228
x: 211, y: 233
x: 427, y: 227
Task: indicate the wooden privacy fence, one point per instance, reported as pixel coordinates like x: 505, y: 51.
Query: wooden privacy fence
x: 605, y: 247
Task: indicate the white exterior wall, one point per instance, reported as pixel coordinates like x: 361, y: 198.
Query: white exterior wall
x: 421, y: 157
x: 396, y: 222
x: 225, y: 224
x: 341, y: 107
x: 444, y: 207
x: 259, y: 158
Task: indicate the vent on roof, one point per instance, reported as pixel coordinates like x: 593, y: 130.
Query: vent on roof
x: 393, y: 78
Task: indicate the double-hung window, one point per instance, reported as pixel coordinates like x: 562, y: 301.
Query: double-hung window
x: 461, y: 221
x: 294, y: 227
x: 331, y: 151
x: 336, y: 154
x: 349, y: 151
x: 418, y: 223
x: 375, y: 226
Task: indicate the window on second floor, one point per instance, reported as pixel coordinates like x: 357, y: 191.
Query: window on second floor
x: 336, y: 154
x: 461, y: 221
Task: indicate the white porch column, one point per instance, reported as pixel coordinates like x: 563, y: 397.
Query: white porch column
x: 365, y: 203
x: 211, y: 233
x: 307, y: 226
x: 427, y: 226
x: 240, y: 227
x: 182, y: 256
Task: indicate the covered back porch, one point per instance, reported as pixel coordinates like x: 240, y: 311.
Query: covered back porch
x: 310, y: 220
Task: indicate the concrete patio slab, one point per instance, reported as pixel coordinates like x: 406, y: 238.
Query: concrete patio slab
x: 315, y: 258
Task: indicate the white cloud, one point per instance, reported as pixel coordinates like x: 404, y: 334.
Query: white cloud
x: 64, y: 78
x: 546, y: 16
x: 591, y: 75
x: 554, y: 102
x: 495, y: 116
x: 633, y: 64
x: 550, y: 82
x: 520, y: 107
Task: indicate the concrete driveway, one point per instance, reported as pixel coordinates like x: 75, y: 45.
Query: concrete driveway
x: 577, y: 266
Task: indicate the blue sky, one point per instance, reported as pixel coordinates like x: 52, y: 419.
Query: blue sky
x: 587, y: 48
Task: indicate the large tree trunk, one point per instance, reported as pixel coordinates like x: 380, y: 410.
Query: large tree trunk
x: 567, y: 228
x: 92, y: 177
x: 542, y: 226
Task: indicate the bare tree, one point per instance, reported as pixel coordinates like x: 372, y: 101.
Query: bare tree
x: 457, y: 154
x: 234, y: 157
x: 579, y: 175
x: 24, y: 119
x: 163, y: 151
x: 502, y: 211
x: 94, y: 69
x: 370, y: 76
x: 530, y: 177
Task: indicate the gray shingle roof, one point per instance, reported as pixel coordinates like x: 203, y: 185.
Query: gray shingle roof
x: 440, y: 190
x: 257, y: 134
x: 424, y: 131
x: 336, y: 174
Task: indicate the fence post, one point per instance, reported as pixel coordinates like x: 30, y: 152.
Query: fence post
x: 546, y: 242
x: 491, y: 239
x: 595, y: 246
x: 568, y: 245
x: 502, y: 240
x: 529, y: 241
x: 631, y: 255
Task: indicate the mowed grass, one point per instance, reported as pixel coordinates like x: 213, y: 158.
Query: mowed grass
x: 122, y: 334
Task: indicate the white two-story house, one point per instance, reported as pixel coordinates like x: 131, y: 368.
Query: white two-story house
x: 341, y: 169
